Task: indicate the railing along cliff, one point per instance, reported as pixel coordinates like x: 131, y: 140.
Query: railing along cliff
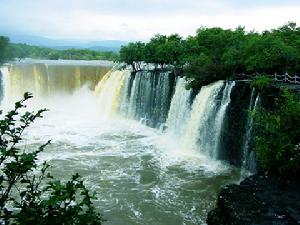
x: 286, y: 78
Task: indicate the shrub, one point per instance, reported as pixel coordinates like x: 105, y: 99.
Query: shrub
x: 261, y: 83
x: 278, y: 136
x: 28, y: 193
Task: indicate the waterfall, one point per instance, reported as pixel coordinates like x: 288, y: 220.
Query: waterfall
x: 148, y: 97
x: 248, y: 157
x: 110, y: 91
x: 201, y: 132
x: 3, y: 75
x: 179, y: 111
x: 151, y: 97
x: 6, y: 85
x: 207, y: 115
x: 220, y: 118
x: 45, y: 79
x: 145, y: 96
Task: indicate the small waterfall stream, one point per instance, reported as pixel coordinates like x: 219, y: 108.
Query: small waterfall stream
x: 180, y: 109
x: 208, y: 112
x: 248, y: 157
x: 200, y: 135
x: 221, y: 116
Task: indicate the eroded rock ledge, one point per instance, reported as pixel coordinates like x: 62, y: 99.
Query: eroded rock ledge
x: 258, y: 200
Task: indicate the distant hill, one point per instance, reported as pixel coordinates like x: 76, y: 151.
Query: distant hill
x: 63, y: 44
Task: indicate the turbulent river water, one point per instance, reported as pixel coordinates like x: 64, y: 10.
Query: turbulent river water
x: 141, y: 175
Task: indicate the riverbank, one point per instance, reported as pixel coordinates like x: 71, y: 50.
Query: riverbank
x: 259, y: 200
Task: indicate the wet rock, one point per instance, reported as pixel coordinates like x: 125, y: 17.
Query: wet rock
x: 234, y: 124
x: 258, y: 200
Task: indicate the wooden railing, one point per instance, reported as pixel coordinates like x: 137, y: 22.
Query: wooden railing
x: 286, y: 78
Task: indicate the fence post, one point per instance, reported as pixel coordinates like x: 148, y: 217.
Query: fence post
x: 275, y: 79
x: 285, y: 77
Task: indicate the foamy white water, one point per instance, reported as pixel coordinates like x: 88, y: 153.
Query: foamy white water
x: 140, y: 175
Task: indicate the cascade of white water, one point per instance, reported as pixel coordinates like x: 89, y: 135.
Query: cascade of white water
x: 45, y: 79
x: 206, y: 120
x: 199, y: 132
x: 110, y: 91
x: 179, y: 111
x: 220, y: 117
x: 5, y: 84
x: 249, y: 159
x: 131, y: 101
x: 124, y: 105
x: 149, y: 98
x: 1, y: 84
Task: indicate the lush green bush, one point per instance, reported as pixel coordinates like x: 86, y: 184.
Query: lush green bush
x: 28, y: 193
x: 261, y: 82
x: 278, y: 136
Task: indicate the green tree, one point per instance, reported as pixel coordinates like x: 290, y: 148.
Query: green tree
x: 174, y: 50
x: 232, y: 57
x: 268, y: 53
x: 198, y: 73
x: 155, y: 51
x: 214, y: 55
x: 290, y: 35
x: 133, y: 54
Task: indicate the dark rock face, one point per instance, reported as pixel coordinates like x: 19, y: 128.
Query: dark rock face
x: 234, y: 125
x: 258, y: 200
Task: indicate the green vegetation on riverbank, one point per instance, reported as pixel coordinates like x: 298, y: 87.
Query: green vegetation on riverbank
x: 10, y: 51
x: 277, y: 142
x: 216, y: 53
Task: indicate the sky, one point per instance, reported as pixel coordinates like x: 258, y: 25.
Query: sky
x: 139, y: 19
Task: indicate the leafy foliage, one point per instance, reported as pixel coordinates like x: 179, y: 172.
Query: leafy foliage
x: 160, y: 50
x: 261, y: 82
x: 132, y: 54
x: 278, y: 136
x: 30, y: 195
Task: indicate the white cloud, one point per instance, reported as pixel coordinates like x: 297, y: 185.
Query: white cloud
x: 99, y: 19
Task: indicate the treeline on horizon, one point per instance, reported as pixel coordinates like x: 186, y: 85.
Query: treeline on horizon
x: 216, y: 53
x: 10, y: 51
